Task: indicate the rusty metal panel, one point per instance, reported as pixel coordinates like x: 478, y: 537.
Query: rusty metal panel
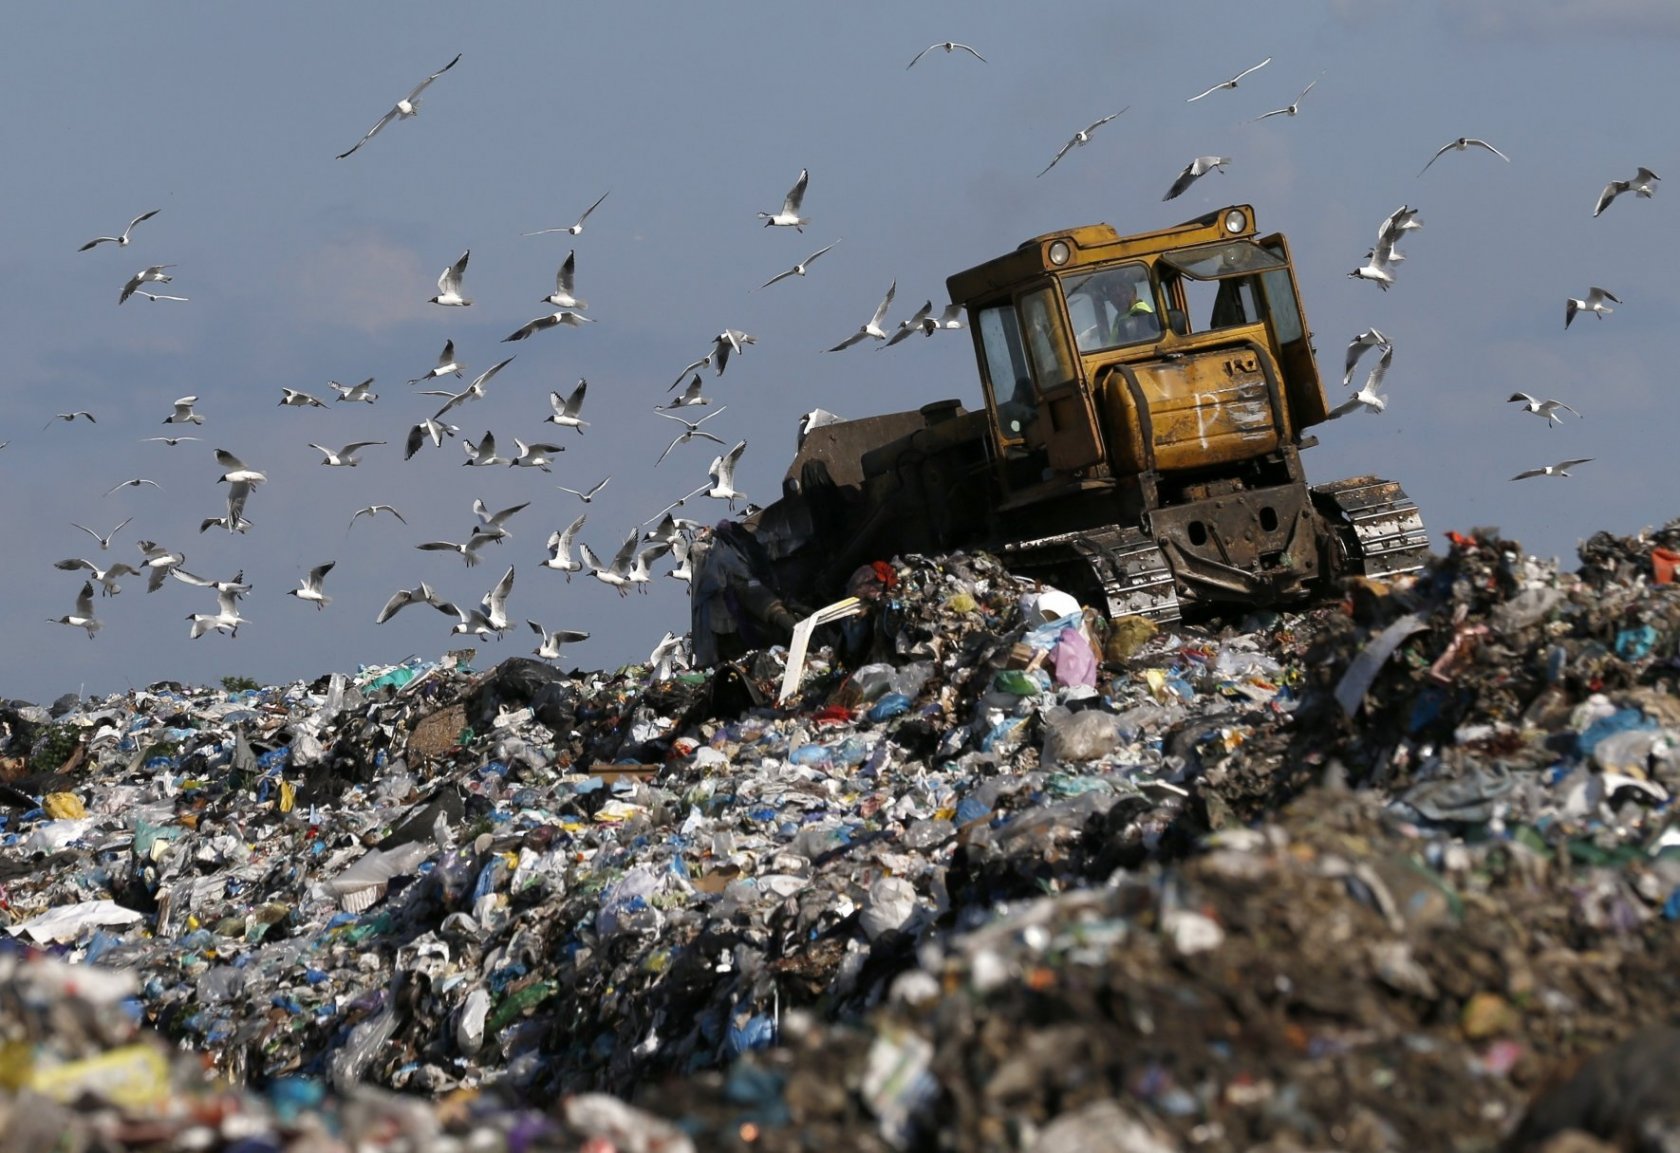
x: 1208, y: 409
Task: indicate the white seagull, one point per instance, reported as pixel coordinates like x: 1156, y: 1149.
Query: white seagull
x: 446, y: 364
x: 495, y: 521
x: 689, y: 396
x: 184, y: 413
x: 574, y: 229
x: 402, y: 109
x: 449, y: 283
x: 482, y: 454
x: 637, y: 574
x: 922, y: 317
x: 236, y: 586
x: 728, y: 341
x: 1193, y: 171
x: 1231, y: 83
x: 586, y: 497
x: 1459, y: 145
x: 346, y: 457
x: 106, y: 577
x: 1367, y: 397
x: 311, y: 586
x: 1643, y: 185
x: 691, y: 429
x: 813, y: 420
x: 670, y: 653
x: 154, y: 274
x: 1080, y: 138
x: 949, y: 46
x: 1593, y: 303
x: 237, y: 470
x: 1546, y: 408
x: 549, y: 648
x: 1559, y: 469
x: 136, y: 482
x: 354, y: 391
x: 473, y: 391
x: 560, y: 549
x: 234, y: 519
x: 157, y: 296
x: 789, y: 216
x: 616, y: 574
x: 542, y: 323
x: 298, y: 399
x: 82, y: 617
x: 171, y: 441
x: 1370, y: 338
x: 800, y: 268
x: 374, y: 510
x: 722, y: 474
x: 872, y: 328
x: 563, y: 296
x: 491, y: 614
x: 402, y: 598
x: 534, y: 455
x: 430, y: 428
x: 565, y: 410
x: 104, y: 541
x: 1293, y: 108
x: 120, y: 241
x: 226, y: 618
x: 468, y: 551
x: 69, y: 418
x: 159, y: 562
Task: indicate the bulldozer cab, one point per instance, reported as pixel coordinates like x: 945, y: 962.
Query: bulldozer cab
x: 1085, y: 338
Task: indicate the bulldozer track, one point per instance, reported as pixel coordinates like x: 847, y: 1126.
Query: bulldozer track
x: 1125, y: 564
x: 1379, y: 529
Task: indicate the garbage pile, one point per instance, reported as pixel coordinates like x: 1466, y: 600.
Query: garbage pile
x: 980, y: 870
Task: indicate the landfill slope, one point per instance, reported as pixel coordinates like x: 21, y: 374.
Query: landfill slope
x: 1392, y: 873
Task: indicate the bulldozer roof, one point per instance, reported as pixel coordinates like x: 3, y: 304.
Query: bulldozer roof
x: 1092, y: 244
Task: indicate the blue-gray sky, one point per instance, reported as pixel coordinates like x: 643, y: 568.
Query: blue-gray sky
x: 302, y: 268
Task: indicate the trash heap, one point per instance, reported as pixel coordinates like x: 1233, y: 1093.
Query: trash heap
x: 994, y: 873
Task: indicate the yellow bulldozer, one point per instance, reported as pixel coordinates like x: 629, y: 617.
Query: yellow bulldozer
x: 1134, y: 439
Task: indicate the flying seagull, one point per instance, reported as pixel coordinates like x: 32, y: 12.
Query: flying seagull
x: 120, y: 241
x: 473, y: 391
x: 728, y: 341
x: 135, y: 483
x: 495, y: 522
x: 154, y: 297
x: 789, y: 216
x: 617, y: 573
x: 82, y: 617
x: 226, y: 618
x: 310, y: 589
x: 549, y: 648
x: 184, y: 413
x: 689, y: 396
x: 534, y: 455
x: 586, y: 497
x: 1231, y: 83
x: 237, y: 470
x: 565, y: 410
x: 298, y: 399
x: 575, y: 228
x: 491, y: 614
x: 446, y: 364
x: 1593, y: 303
x: 872, y: 327
x: 104, y: 541
x: 1193, y: 171
x: 1545, y: 408
x: 171, y: 441
x: 542, y: 323
x: 563, y: 296
x: 402, y: 109
x: 154, y: 274
x: 1370, y: 338
x: 234, y: 519
x: 1368, y: 397
x: 402, y: 598
x: 1459, y: 145
x: 691, y: 429
x: 354, y: 391
x: 482, y: 454
x: 449, y: 283
x: 69, y: 418
x: 1080, y: 138
x: 922, y: 316
x: 346, y: 457
x: 469, y: 550
x: 374, y: 510
x: 1559, y: 469
x: 722, y: 475
x: 798, y: 269
x: 1642, y: 185
x: 106, y: 577
x: 431, y: 428
x: 1293, y: 108
x: 560, y: 549
x: 949, y: 46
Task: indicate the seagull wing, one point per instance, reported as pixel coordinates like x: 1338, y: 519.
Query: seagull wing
x: 578, y: 227
x: 1611, y: 191
x: 1185, y: 180
x: 971, y: 52
x: 371, y: 132
x: 921, y: 54
x: 886, y: 303
x: 531, y: 329
x: 1437, y: 156
x: 1489, y: 147
x: 796, y: 194
x: 422, y: 86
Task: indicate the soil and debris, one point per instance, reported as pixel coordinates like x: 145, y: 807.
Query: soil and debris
x: 1394, y: 873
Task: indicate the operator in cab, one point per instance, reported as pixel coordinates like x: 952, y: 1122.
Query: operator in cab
x: 1121, y: 309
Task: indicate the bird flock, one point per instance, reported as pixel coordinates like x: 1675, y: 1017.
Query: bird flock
x: 242, y: 489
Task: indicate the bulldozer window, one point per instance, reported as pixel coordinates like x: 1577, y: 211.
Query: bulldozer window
x: 1113, y: 307
x: 1223, y: 303
x: 1007, y: 375
x: 1046, y: 342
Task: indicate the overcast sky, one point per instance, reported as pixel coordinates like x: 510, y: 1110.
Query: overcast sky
x: 301, y: 268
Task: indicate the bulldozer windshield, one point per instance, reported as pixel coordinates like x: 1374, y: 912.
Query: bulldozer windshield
x: 1216, y: 261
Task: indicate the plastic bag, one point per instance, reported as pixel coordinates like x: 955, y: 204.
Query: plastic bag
x: 1083, y: 736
